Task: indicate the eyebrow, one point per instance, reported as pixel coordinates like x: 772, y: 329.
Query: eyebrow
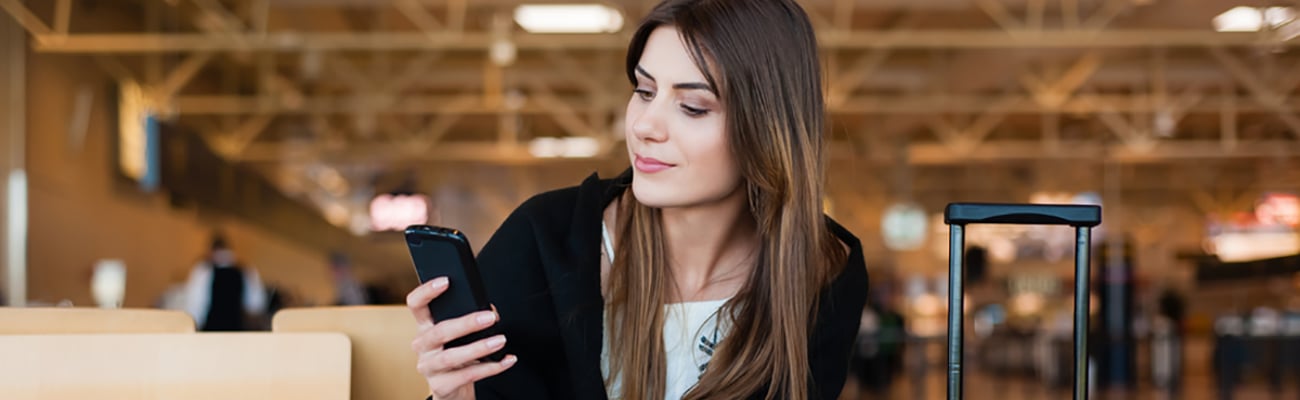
x: 680, y: 86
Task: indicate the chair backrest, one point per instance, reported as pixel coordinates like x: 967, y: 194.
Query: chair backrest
x: 204, y: 366
x: 383, y: 365
x: 18, y: 320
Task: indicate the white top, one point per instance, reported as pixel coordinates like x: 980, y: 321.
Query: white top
x: 691, y: 331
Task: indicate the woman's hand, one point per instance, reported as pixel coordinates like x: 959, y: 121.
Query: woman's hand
x: 451, y: 372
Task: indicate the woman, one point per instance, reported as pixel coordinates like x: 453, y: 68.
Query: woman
x: 716, y: 276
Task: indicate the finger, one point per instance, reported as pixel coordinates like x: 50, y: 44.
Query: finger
x: 434, y: 336
x: 446, y: 384
x: 455, y: 357
x: 419, y: 298
x: 424, y: 340
x: 455, y: 328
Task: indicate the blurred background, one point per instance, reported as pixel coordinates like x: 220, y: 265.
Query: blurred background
x: 145, y: 142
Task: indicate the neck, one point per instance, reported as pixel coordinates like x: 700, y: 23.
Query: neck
x: 710, y: 246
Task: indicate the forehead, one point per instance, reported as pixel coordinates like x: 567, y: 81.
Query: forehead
x: 668, y: 59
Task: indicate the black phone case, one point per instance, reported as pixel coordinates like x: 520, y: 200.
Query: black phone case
x: 437, y: 252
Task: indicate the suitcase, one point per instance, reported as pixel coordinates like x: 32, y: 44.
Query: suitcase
x: 957, y: 215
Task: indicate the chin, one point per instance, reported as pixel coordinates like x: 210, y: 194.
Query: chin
x: 655, y: 194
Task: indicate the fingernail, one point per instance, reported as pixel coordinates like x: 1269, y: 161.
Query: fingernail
x: 486, y: 318
x: 439, y: 283
x: 508, y: 361
x: 496, y: 342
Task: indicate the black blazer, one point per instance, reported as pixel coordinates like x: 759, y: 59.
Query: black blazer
x: 542, y: 271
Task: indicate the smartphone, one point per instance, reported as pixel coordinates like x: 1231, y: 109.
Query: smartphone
x: 438, y: 252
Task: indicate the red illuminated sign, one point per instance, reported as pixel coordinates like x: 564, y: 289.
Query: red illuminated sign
x: 1278, y: 209
x: 396, y: 212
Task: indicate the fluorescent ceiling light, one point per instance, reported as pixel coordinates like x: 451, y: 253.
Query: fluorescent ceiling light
x: 545, y: 147
x: 581, y: 147
x: 1278, y: 16
x: 568, y: 18
x: 1252, y: 19
x: 566, y: 147
x: 1250, y: 246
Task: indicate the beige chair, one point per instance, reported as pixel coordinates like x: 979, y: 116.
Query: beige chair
x: 168, y: 366
x: 17, y: 321
x: 383, y: 365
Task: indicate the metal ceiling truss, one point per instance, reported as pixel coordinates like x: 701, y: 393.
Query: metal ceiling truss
x: 418, y: 82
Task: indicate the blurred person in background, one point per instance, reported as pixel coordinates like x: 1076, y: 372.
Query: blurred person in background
x: 708, y: 270
x: 882, y: 337
x: 1173, y: 305
x: 222, y: 294
x: 347, y: 290
x: 1167, y: 339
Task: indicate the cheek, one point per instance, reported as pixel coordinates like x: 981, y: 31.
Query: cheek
x: 710, y: 148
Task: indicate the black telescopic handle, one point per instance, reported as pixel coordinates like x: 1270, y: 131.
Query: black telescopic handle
x: 1023, y: 214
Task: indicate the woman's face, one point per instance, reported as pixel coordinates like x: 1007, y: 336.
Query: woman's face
x: 676, y: 132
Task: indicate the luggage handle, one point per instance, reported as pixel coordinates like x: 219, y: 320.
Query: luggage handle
x: 957, y: 215
x: 1022, y: 214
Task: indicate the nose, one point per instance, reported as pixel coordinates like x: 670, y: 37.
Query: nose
x: 648, y: 125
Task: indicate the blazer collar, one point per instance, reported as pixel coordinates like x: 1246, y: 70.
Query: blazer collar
x: 575, y: 285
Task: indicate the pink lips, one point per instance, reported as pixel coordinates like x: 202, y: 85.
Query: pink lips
x: 650, y: 165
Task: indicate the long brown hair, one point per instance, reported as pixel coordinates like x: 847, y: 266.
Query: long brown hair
x: 761, y: 57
